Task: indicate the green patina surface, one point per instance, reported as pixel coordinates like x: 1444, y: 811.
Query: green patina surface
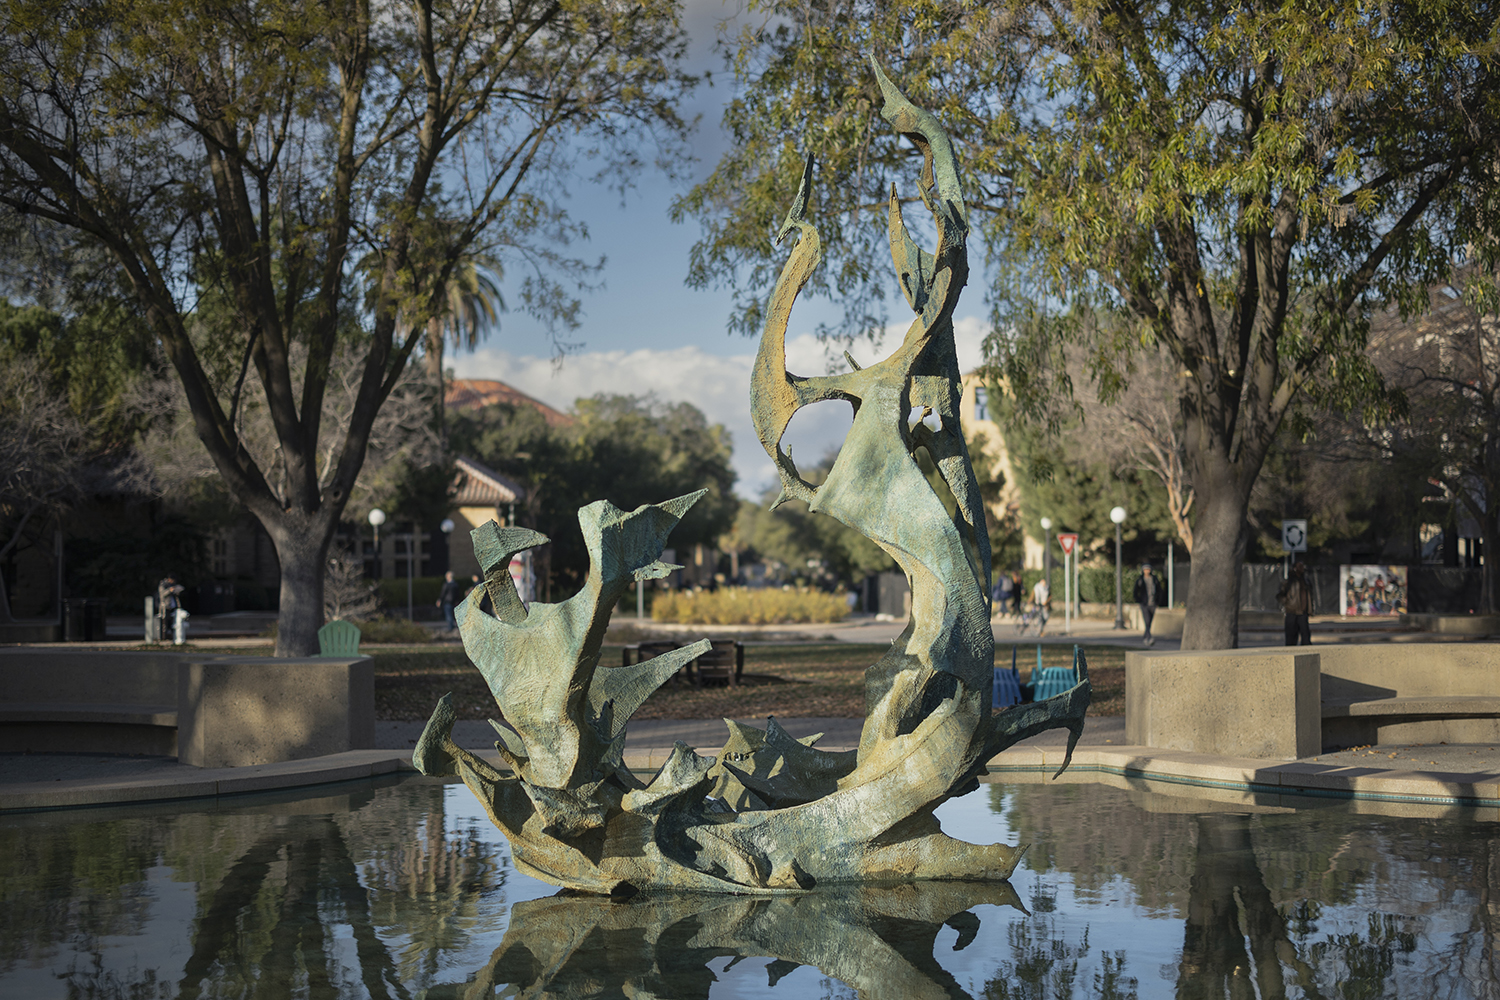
x: 769, y: 814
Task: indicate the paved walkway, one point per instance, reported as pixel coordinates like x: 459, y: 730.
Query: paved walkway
x: 1415, y: 777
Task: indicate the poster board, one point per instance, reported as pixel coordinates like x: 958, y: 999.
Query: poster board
x: 1372, y: 590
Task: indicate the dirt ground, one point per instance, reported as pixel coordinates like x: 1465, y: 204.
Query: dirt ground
x: 794, y: 680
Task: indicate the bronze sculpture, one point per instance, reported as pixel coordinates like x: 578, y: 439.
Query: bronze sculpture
x: 770, y: 814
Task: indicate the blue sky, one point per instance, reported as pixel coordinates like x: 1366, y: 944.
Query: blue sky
x: 644, y: 331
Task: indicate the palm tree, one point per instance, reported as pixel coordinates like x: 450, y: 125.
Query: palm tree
x: 471, y: 307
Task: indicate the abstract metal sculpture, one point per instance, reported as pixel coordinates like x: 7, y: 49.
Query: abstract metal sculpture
x: 770, y: 814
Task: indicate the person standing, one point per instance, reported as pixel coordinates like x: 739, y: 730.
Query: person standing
x: 1146, y: 594
x: 168, y: 600
x: 1295, y: 598
x: 1041, y: 596
x: 449, y: 597
x: 1017, y: 594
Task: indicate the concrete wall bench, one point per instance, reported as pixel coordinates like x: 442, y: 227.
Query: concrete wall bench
x: 206, y: 711
x: 1286, y: 703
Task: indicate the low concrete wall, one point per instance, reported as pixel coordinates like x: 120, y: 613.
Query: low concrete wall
x: 1300, y: 701
x: 70, y: 701
x: 1234, y: 703
x: 207, y: 711
x: 242, y: 710
x: 1410, y: 693
x: 1454, y: 624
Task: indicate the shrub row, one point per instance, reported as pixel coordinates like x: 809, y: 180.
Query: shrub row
x: 744, y: 606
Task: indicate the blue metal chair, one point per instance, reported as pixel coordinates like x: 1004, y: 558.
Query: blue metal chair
x: 1049, y: 682
x: 1008, y: 684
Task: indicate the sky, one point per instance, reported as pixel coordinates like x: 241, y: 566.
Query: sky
x: 646, y: 332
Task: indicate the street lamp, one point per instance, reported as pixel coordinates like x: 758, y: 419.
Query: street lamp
x: 1047, y: 552
x: 377, y: 518
x: 447, y: 529
x: 1117, y: 515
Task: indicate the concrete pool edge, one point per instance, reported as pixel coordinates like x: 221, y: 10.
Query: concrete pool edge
x: 1222, y: 781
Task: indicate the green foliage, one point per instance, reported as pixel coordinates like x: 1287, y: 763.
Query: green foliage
x: 424, y: 591
x: 624, y: 449
x: 746, y: 606
x: 1078, y: 494
x: 1237, y: 184
x: 1007, y: 547
x: 393, y: 630
x: 93, y: 359
x: 290, y: 193
x: 790, y: 537
x: 124, y: 567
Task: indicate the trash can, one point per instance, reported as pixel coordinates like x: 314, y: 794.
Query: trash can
x: 83, y: 619
x: 93, y: 619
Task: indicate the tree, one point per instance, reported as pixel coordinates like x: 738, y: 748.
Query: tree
x: 238, y: 160
x: 1237, y: 185
x: 625, y: 449
x: 791, y: 535
x: 1448, y: 363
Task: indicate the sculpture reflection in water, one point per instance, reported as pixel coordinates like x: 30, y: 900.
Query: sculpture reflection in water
x: 769, y: 814
x: 878, y: 940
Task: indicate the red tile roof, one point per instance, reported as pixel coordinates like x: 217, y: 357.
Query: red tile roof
x: 477, y: 393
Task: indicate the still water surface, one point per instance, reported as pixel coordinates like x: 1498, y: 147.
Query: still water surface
x: 402, y: 889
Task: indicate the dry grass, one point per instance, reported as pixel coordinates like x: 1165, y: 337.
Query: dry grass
x: 788, y: 681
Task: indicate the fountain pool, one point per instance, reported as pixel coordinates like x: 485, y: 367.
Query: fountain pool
x: 403, y: 888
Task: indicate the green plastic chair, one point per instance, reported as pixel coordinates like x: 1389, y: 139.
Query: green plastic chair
x: 338, y: 638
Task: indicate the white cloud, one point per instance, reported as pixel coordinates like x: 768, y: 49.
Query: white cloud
x: 717, y: 385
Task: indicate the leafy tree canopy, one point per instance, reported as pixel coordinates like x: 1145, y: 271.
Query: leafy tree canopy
x: 625, y: 449
x: 1236, y: 183
x: 279, y: 185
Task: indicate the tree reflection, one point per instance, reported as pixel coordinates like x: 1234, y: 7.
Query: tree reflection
x: 878, y: 940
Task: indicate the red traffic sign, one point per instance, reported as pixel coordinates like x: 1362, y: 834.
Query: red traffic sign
x: 1067, y: 542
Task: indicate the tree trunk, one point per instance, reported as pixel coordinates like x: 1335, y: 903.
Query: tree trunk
x: 302, y: 545
x: 1219, y: 542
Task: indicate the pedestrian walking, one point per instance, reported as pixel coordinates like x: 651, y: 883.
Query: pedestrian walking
x: 449, y: 597
x: 1041, y: 596
x: 1295, y: 598
x: 1147, y: 592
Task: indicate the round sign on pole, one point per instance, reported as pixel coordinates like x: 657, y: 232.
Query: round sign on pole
x: 1294, y: 535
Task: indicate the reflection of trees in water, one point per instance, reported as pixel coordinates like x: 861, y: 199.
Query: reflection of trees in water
x: 426, y: 885
x: 1317, y: 903
x: 82, y: 880
x: 368, y: 894
x: 285, y: 905
x: 1097, y: 835
x: 1045, y: 964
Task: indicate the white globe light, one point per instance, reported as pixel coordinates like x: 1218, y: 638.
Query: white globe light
x: 1046, y: 524
x: 1117, y: 515
x: 447, y: 526
x: 377, y: 517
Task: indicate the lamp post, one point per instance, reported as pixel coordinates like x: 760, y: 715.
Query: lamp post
x: 1117, y: 515
x: 1047, y: 552
x: 447, y: 529
x: 377, y: 518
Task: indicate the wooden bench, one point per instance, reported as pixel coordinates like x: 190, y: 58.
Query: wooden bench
x: 725, y: 660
